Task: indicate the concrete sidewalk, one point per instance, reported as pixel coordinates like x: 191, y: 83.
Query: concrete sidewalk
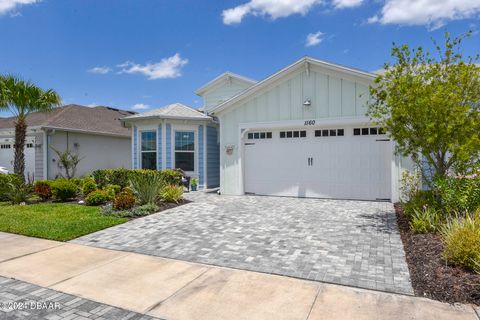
x: 172, y: 289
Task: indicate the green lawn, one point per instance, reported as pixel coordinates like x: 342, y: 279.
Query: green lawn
x: 54, y: 221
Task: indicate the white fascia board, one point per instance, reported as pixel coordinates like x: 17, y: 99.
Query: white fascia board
x: 302, y: 63
x: 211, y: 84
x: 361, y: 121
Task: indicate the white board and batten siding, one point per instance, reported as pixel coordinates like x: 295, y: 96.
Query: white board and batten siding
x: 338, y: 100
x: 222, y: 92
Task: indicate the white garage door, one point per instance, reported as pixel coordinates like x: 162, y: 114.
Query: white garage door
x: 7, y: 155
x: 341, y: 162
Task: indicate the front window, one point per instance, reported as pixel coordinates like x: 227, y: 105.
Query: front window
x: 149, y: 150
x: 185, y: 150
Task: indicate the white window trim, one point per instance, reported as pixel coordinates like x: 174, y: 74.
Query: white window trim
x: 140, y: 151
x: 194, y: 151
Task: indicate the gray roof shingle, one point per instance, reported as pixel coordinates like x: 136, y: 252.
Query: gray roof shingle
x: 74, y: 117
x: 172, y: 111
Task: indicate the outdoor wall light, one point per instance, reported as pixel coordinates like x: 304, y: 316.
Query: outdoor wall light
x: 307, y: 102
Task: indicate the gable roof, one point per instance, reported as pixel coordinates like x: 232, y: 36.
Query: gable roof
x: 224, y: 76
x: 72, y: 117
x: 172, y: 111
x: 286, y: 71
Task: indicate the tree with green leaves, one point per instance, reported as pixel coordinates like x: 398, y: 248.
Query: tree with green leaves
x: 430, y: 105
x: 22, y: 97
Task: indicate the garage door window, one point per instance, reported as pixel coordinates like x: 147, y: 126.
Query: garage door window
x: 149, y: 150
x: 185, y: 150
x: 259, y: 135
x: 330, y: 133
x: 5, y: 146
x: 368, y: 131
x: 293, y: 134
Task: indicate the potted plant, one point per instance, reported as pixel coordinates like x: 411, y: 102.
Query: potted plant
x: 194, y: 184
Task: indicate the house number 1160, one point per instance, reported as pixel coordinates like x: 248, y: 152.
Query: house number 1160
x: 309, y: 123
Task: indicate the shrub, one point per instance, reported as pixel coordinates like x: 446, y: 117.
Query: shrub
x: 96, y: 198
x: 5, y: 180
x: 459, y: 194
x: 124, y: 200
x: 43, y: 189
x: 18, y: 191
x: 461, y: 238
x: 418, y: 201
x: 77, y: 181
x: 108, y: 210
x: 118, y: 176
x: 141, y: 211
x: 63, y: 189
x: 425, y: 220
x: 122, y: 176
x: 89, y: 186
x: 112, y: 190
x: 172, y: 177
x: 146, y: 187
x: 171, y: 193
x: 101, y: 177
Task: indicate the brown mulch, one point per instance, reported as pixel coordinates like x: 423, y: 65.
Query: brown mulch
x: 431, y: 276
x: 169, y: 205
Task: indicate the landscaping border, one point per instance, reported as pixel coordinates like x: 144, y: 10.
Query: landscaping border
x: 431, y: 275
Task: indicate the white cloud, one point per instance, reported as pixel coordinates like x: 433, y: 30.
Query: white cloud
x: 433, y: 13
x: 166, y: 68
x: 140, y: 106
x: 272, y: 8
x: 10, y: 5
x: 341, y: 4
x: 314, y: 39
x: 100, y: 70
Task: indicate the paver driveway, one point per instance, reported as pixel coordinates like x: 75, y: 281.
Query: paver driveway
x: 346, y: 242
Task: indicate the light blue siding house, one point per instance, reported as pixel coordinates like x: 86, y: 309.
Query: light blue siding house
x: 176, y: 136
x: 301, y: 132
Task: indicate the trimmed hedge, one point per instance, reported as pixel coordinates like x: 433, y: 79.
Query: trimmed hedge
x: 64, y: 190
x: 121, y: 177
x: 96, y: 198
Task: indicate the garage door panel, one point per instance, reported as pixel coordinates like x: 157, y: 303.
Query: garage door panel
x: 7, y: 154
x: 344, y: 167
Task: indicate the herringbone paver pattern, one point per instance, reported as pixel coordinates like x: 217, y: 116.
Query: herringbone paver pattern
x: 354, y: 243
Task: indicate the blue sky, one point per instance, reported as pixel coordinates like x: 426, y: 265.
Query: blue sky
x: 149, y: 53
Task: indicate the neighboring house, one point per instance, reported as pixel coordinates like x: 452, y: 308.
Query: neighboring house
x: 176, y: 136
x: 95, y: 134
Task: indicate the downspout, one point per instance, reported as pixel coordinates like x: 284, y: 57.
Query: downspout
x: 45, y: 154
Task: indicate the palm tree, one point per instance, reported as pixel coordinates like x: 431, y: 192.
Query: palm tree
x: 22, y: 97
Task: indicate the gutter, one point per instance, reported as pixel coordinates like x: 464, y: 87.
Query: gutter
x: 165, y: 117
x: 88, y: 132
